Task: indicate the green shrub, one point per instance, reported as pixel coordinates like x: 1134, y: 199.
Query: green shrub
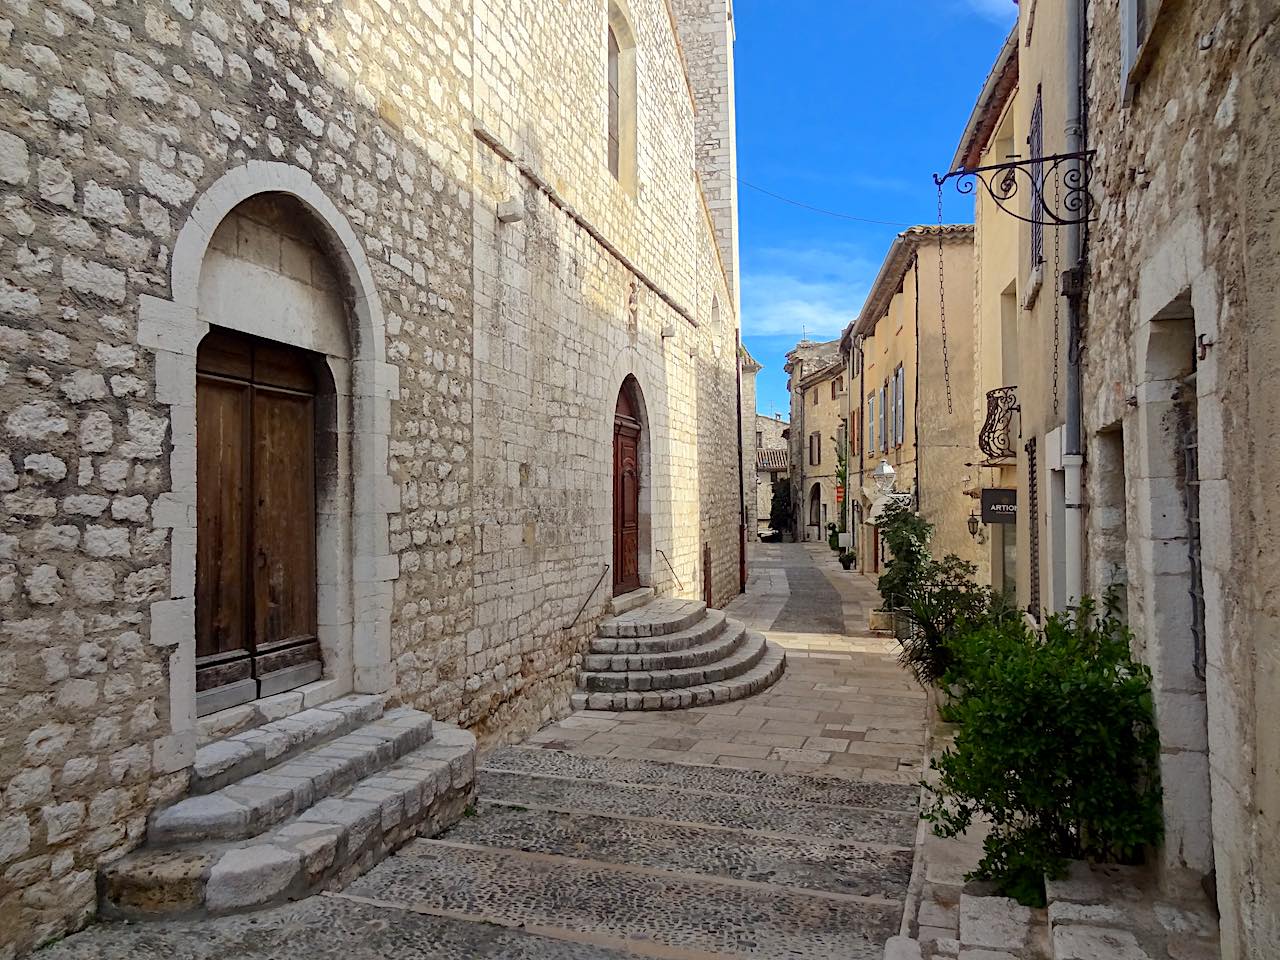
x: 943, y: 601
x: 906, y: 534
x: 1057, y: 747
x: 833, y: 536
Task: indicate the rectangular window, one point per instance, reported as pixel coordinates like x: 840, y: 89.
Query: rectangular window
x: 871, y: 422
x: 884, y: 426
x: 759, y: 439
x: 815, y: 449
x: 893, y: 411
x: 615, y: 106
x: 900, y: 428
x: 815, y: 396
x: 1035, y: 143
x: 1135, y: 25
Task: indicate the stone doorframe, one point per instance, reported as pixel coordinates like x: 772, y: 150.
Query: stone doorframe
x: 1177, y: 305
x: 354, y: 599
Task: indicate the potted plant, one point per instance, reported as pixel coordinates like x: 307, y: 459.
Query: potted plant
x: 847, y: 559
x: 833, y: 536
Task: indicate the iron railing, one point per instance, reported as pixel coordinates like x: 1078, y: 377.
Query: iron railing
x: 993, y: 438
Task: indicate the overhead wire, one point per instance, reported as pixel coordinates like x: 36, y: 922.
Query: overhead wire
x: 825, y: 212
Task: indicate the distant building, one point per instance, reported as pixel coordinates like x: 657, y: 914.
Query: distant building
x: 773, y: 463
x: 817, y: 385
x: 912, y: 397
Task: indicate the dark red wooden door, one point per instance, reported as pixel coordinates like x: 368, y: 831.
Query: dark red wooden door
x: 256, y: 521
x: 626, y: 497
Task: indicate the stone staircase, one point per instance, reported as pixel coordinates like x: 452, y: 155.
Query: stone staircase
x: 670, y: 653
x: 294, y: 806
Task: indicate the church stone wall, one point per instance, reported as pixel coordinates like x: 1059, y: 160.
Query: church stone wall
x: 510, y: 340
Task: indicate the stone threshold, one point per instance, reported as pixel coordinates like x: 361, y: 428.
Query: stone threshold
x: 279, y: 706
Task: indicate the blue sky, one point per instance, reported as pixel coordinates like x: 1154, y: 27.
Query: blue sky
x: 848, y: 105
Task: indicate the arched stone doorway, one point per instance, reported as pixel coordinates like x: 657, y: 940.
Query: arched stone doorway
x: 630, y: 493
x: 267, y: 424
x: 339, y: 326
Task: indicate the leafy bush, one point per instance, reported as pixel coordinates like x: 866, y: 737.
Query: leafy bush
x: 780, y: 507
x: 943, y: 601
x: 906, y: 534
x: 848, y: 559
x: 833, y: 536
x: 1057, y: 746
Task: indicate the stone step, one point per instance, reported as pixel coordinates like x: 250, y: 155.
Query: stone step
x: 742, y: 659
x: 249, y: 806
x: 327, y: 846
x: 722, y: 644
x: 766, y: 670
x: 667, y: 615
x: 240, y: 755
x: 327, y: 928
x: 627, y: 602
x: 744, y: 785
x: 662, y: 913
x: 702, y: 631
x: 891, y: 829
x: 809, y: 863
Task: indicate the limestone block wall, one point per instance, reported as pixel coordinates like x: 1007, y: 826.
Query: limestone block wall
x: 706, y: 38
x: 1183, y: 271
x: 477, y: 447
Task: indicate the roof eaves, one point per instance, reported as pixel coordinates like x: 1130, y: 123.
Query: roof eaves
x: 996, y: 90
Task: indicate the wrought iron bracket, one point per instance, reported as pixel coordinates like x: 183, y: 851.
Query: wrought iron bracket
x: 993, y: 439
x: 1067, y: 204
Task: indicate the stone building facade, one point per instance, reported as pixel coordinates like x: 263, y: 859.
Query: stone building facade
x: 817, y: 386
x: 1177, y: 339
x: 771, y: 465
x: 1182, y: 343
x: 420, y: 202
x: 912, y: 377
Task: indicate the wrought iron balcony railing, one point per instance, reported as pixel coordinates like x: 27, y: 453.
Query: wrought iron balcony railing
x: 993, y: 439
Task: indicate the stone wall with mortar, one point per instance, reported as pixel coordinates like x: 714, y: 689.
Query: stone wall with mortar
x: 1184, y: 261
x: 586, y: 285
x: 118, y: 120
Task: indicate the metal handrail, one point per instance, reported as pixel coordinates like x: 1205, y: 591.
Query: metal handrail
x: 574, y: 621
x: 673, y: 571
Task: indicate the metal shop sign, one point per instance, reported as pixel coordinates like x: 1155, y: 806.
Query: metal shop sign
x: 999, y: 505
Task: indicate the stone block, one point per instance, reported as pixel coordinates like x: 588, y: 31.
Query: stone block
x: 996, y: 922
x: 251, y: 876
x: 1082, y: 942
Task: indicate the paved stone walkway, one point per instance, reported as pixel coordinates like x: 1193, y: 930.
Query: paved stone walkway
x: 777, y: 826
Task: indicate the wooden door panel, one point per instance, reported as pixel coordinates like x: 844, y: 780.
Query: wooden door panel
x: 284, y: 574
x: 222, y: 462
x: 626, y: 496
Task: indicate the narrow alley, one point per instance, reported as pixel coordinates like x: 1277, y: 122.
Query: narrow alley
x: 780, y: 825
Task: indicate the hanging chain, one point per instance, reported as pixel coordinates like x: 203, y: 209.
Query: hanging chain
x: 1057, y: 292
x: 942, y: 307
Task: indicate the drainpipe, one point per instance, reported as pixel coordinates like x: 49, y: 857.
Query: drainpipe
x: 1072, y: 454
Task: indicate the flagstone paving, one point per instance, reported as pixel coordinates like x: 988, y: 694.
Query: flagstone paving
x: 776, y: 826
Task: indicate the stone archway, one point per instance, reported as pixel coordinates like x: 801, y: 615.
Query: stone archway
x: 354, y: 595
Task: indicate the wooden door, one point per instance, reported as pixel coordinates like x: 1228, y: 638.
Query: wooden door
x: 626, y: 496
x: 255, y: 526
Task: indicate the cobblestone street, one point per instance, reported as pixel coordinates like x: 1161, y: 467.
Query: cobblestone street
x: 776, y: 826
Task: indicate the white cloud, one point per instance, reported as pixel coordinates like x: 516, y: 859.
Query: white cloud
x: 811, y: 292
x: 1001, y: 11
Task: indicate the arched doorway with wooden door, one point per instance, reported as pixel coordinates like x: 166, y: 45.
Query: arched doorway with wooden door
x: 630, y: 493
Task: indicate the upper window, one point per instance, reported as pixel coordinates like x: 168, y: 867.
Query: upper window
x: 1135, y: 27
x: 884, y: 425
x: 621, y: 94
x: 615, y: 102
x: 1035, y: 143
x: 815, y: 397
